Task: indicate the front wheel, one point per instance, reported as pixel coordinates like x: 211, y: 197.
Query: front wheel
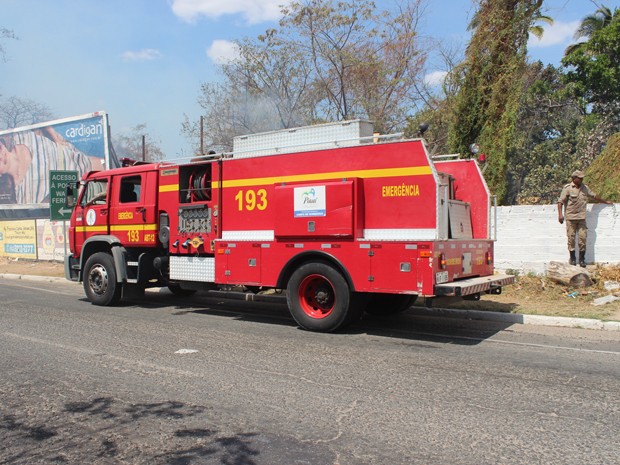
x: 100, y: 283
x: 320, y: 299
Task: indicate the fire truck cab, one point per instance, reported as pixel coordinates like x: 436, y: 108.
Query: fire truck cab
x: 342, y: 223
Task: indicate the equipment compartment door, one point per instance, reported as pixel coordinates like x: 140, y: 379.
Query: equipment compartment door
x: 321, y: 209
x: 241, y: 263
x: 393, y: 267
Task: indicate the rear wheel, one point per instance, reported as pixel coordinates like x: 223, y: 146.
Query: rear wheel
x: 389, y: 304
x: 100, y: 283
x: 320, y: 299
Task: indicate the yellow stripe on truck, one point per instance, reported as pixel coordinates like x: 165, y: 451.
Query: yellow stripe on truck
x: 92, y: 229
x: 116, y: 228
x: 127, y: 227
x: 169, y: 188
x: 368, y: 174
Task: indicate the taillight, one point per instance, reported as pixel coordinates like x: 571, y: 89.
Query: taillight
x: 489, y: 258
x: 442, y: 262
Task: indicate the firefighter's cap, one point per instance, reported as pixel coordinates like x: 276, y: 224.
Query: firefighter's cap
x: 577, y: 174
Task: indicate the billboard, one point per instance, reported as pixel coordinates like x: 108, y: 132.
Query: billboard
x: 51, y: 240
x: 29, y: 153
x: 34, y: 239
x: 18, y: 239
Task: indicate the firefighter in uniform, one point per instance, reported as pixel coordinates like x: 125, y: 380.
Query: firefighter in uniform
x: 574, y: 200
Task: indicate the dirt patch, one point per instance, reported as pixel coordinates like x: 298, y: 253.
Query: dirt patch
x: 531, y: 295
x: 31, y: 267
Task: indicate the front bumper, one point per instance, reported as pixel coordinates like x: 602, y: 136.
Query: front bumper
x: 72, y: 268
x: 471, y: 286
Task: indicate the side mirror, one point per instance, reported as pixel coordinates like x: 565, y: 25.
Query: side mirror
x: 70, y: 194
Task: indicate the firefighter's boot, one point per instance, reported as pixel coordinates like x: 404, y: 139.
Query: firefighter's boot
x: 572, y: 260
x: 582, y: 258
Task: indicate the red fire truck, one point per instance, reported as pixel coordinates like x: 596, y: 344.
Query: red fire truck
x: 342, y: 223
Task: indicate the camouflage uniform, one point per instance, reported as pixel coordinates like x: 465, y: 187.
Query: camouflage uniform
x: 575, y: 200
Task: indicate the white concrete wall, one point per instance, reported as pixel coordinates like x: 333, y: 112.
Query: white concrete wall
x: 529, y: 237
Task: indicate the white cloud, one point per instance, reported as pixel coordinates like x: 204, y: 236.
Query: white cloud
x: 222, y: 51
x: 252, y: 10
x: 435, y: 78
x: 557, y: 33
x: 146, y: 54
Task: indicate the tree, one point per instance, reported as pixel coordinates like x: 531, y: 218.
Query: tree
x: 130, y: 145
x: 593, y: 75
x: 232, y: 110
x: 594, y: 67
x: 437, y: 101
x: 16, y: 112
x: 365, y: 63
x: 546, y: 143
x: 5, y: 34
x: 268, y: 87
x: 327, y: 61
x: 589, y: 25
x: 487, y: 103
x: 601, y: 179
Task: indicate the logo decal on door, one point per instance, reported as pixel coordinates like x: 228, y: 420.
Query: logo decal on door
x: 91, y: 217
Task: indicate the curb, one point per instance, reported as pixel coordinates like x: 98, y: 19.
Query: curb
x: 510, y: 318
x: 518, y: 318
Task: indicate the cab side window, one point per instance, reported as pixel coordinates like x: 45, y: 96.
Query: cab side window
x: 130, y: 189
x: 95, y: 193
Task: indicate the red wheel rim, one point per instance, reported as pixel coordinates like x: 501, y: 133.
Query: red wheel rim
x: 317, y: 296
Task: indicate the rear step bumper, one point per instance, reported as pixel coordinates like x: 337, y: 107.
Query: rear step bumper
x: 485, y: 284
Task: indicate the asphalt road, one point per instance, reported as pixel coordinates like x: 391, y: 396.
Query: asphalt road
x: 169, y: 381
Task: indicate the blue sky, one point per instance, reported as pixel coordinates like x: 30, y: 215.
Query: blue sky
x: 143, y: 61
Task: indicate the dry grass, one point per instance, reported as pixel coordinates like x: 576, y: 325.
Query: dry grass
x: 537, y: 295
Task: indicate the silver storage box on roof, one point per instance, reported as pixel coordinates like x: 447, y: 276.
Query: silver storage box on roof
x: 321, y: 136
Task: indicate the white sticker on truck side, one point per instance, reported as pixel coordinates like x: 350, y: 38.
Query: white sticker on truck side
x: 91, y: 217
x: 309, y: 201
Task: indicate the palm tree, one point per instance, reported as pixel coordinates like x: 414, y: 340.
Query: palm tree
x: 535, y: 29
x: 538, y: 30
x: 589, y: 25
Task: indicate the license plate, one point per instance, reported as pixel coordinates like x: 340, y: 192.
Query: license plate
x: 441, y: 277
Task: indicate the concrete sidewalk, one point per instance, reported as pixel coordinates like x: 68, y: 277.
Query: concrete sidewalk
x: 508, y: 318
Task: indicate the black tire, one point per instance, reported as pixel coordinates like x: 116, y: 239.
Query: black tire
x: 319, y: 298
x: 179, y: 291
x: 389, y: 304
x: 100, y: 283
